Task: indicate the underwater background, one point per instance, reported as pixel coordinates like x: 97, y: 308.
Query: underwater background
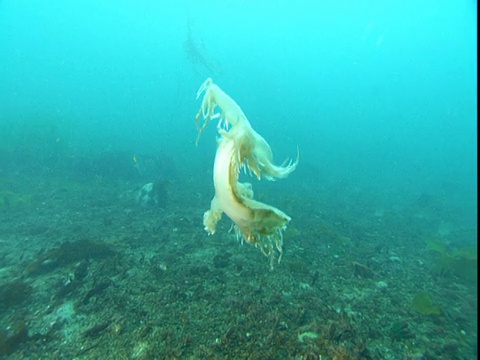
x: 103, y: 189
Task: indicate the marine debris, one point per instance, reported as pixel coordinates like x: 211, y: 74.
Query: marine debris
x: 197, y: 53
x: 241, y: 147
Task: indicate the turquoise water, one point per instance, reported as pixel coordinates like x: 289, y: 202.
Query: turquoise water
x: 377, y: 94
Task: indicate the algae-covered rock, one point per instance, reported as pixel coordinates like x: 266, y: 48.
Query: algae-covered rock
x: 14, y: 293
x: 461, y: 261
x: 423, y: 304
x: 70, y: 252
x: 9, y: 199
x: 434, y: 244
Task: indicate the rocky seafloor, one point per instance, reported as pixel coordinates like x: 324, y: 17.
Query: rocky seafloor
x: 88, y: 274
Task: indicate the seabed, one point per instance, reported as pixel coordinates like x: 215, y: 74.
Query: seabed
x: 87, y: 275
